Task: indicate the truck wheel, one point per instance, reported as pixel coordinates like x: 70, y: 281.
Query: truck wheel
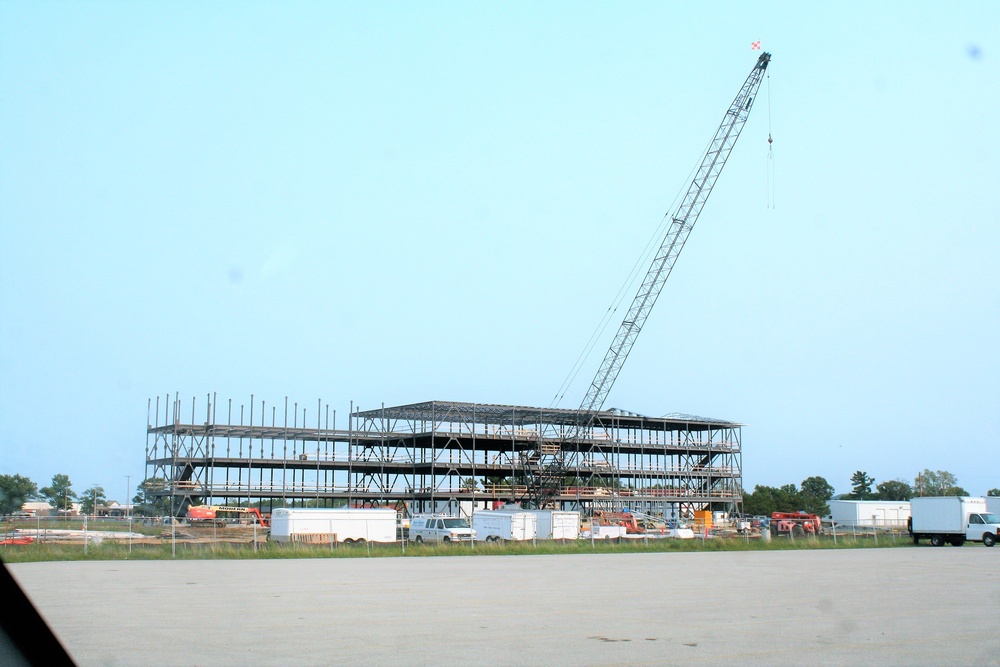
x: 957, y: 541
x: 447, y: 539
x: 798, y: 532
x: 419, y: 539
x: 989, y: 539
x: 937, y: 541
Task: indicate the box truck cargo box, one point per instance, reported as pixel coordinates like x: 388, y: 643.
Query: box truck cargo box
x: 993, y: 505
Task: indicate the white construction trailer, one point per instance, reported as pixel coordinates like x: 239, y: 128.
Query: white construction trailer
x: 870, y: 513
x: 324, y: 526
x: 507, y: 525
x: 557, y: 524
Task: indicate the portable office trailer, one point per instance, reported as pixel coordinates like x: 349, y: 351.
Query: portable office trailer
x: 870, y: 513
x: 507, y: 525
x: 556, y: 524
x: 322, y: 526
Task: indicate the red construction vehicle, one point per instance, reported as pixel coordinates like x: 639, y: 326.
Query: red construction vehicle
x: 219, y: 513
x: 626, y: 519
x: 796, y: 524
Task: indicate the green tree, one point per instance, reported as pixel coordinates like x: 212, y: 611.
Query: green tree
x: 92, y: 499
x: 815, y: 493
x: 147, y: 502
x: 861, y: 486
x: 938, y: 483
x: 894, y: 489
x: 767, y: 499
x: 60, y: 494
x: 993, y: 492
x: 15, y: 490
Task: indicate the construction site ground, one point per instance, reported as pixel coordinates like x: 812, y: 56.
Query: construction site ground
x: 919, y: 605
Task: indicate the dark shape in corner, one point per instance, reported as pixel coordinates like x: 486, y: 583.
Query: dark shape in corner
x: 26, y: 639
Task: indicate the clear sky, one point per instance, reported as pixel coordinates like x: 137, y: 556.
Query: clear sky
x: 398, y: 202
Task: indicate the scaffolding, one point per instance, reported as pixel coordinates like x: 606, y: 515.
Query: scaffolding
x: 438, y: 456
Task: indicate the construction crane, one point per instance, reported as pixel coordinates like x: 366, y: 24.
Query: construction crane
x: 545, y: 467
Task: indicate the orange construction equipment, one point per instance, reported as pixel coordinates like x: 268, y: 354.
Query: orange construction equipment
x: 219, y: 512
x: 796, y: 524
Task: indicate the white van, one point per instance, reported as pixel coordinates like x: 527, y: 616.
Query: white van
x: 440, y: 528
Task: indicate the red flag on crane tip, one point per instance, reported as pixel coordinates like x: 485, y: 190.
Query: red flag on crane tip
x: 755, y: 46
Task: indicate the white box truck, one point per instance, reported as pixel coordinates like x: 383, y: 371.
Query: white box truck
x: 952, y: 519
x: 505, y: 525
x: 323, y: 526
x: 556, y: 524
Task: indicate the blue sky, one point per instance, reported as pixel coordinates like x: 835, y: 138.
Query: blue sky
x: 401, y: 202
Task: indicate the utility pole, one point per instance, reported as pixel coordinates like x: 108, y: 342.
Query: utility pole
x: 128, y: 509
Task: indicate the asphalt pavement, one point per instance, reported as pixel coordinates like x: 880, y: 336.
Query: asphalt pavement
x: 898, y: 606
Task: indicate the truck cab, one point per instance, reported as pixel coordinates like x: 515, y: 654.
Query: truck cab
x: 983, y: 527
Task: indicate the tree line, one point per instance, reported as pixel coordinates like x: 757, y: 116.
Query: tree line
x: 812, y: 496
x: 15, y: 490
x: 815, y: 493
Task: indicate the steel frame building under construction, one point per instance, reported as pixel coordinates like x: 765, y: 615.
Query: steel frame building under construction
x: 438, y: 456
x: 442, y: 456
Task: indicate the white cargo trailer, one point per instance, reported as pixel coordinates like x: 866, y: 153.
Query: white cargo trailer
x: 953, y: 519
x: 323, y: 526
x: 557, y: 524
x: 877, y: 513
x: 506, y: 525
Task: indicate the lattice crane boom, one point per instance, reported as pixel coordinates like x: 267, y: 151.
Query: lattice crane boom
x: 682, y: 221
x: 545, y: 467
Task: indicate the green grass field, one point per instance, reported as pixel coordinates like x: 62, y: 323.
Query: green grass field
x: 113, y: 550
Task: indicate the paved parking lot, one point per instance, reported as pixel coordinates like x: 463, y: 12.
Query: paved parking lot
x: 903, y: 606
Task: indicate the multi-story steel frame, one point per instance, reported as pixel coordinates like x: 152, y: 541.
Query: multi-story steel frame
x: 438, y: 456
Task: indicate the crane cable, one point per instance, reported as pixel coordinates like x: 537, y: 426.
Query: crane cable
x: 652, y: 245
x: 770, y: 148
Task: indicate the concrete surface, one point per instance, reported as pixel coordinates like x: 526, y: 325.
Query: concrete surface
x: 904, y: 606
